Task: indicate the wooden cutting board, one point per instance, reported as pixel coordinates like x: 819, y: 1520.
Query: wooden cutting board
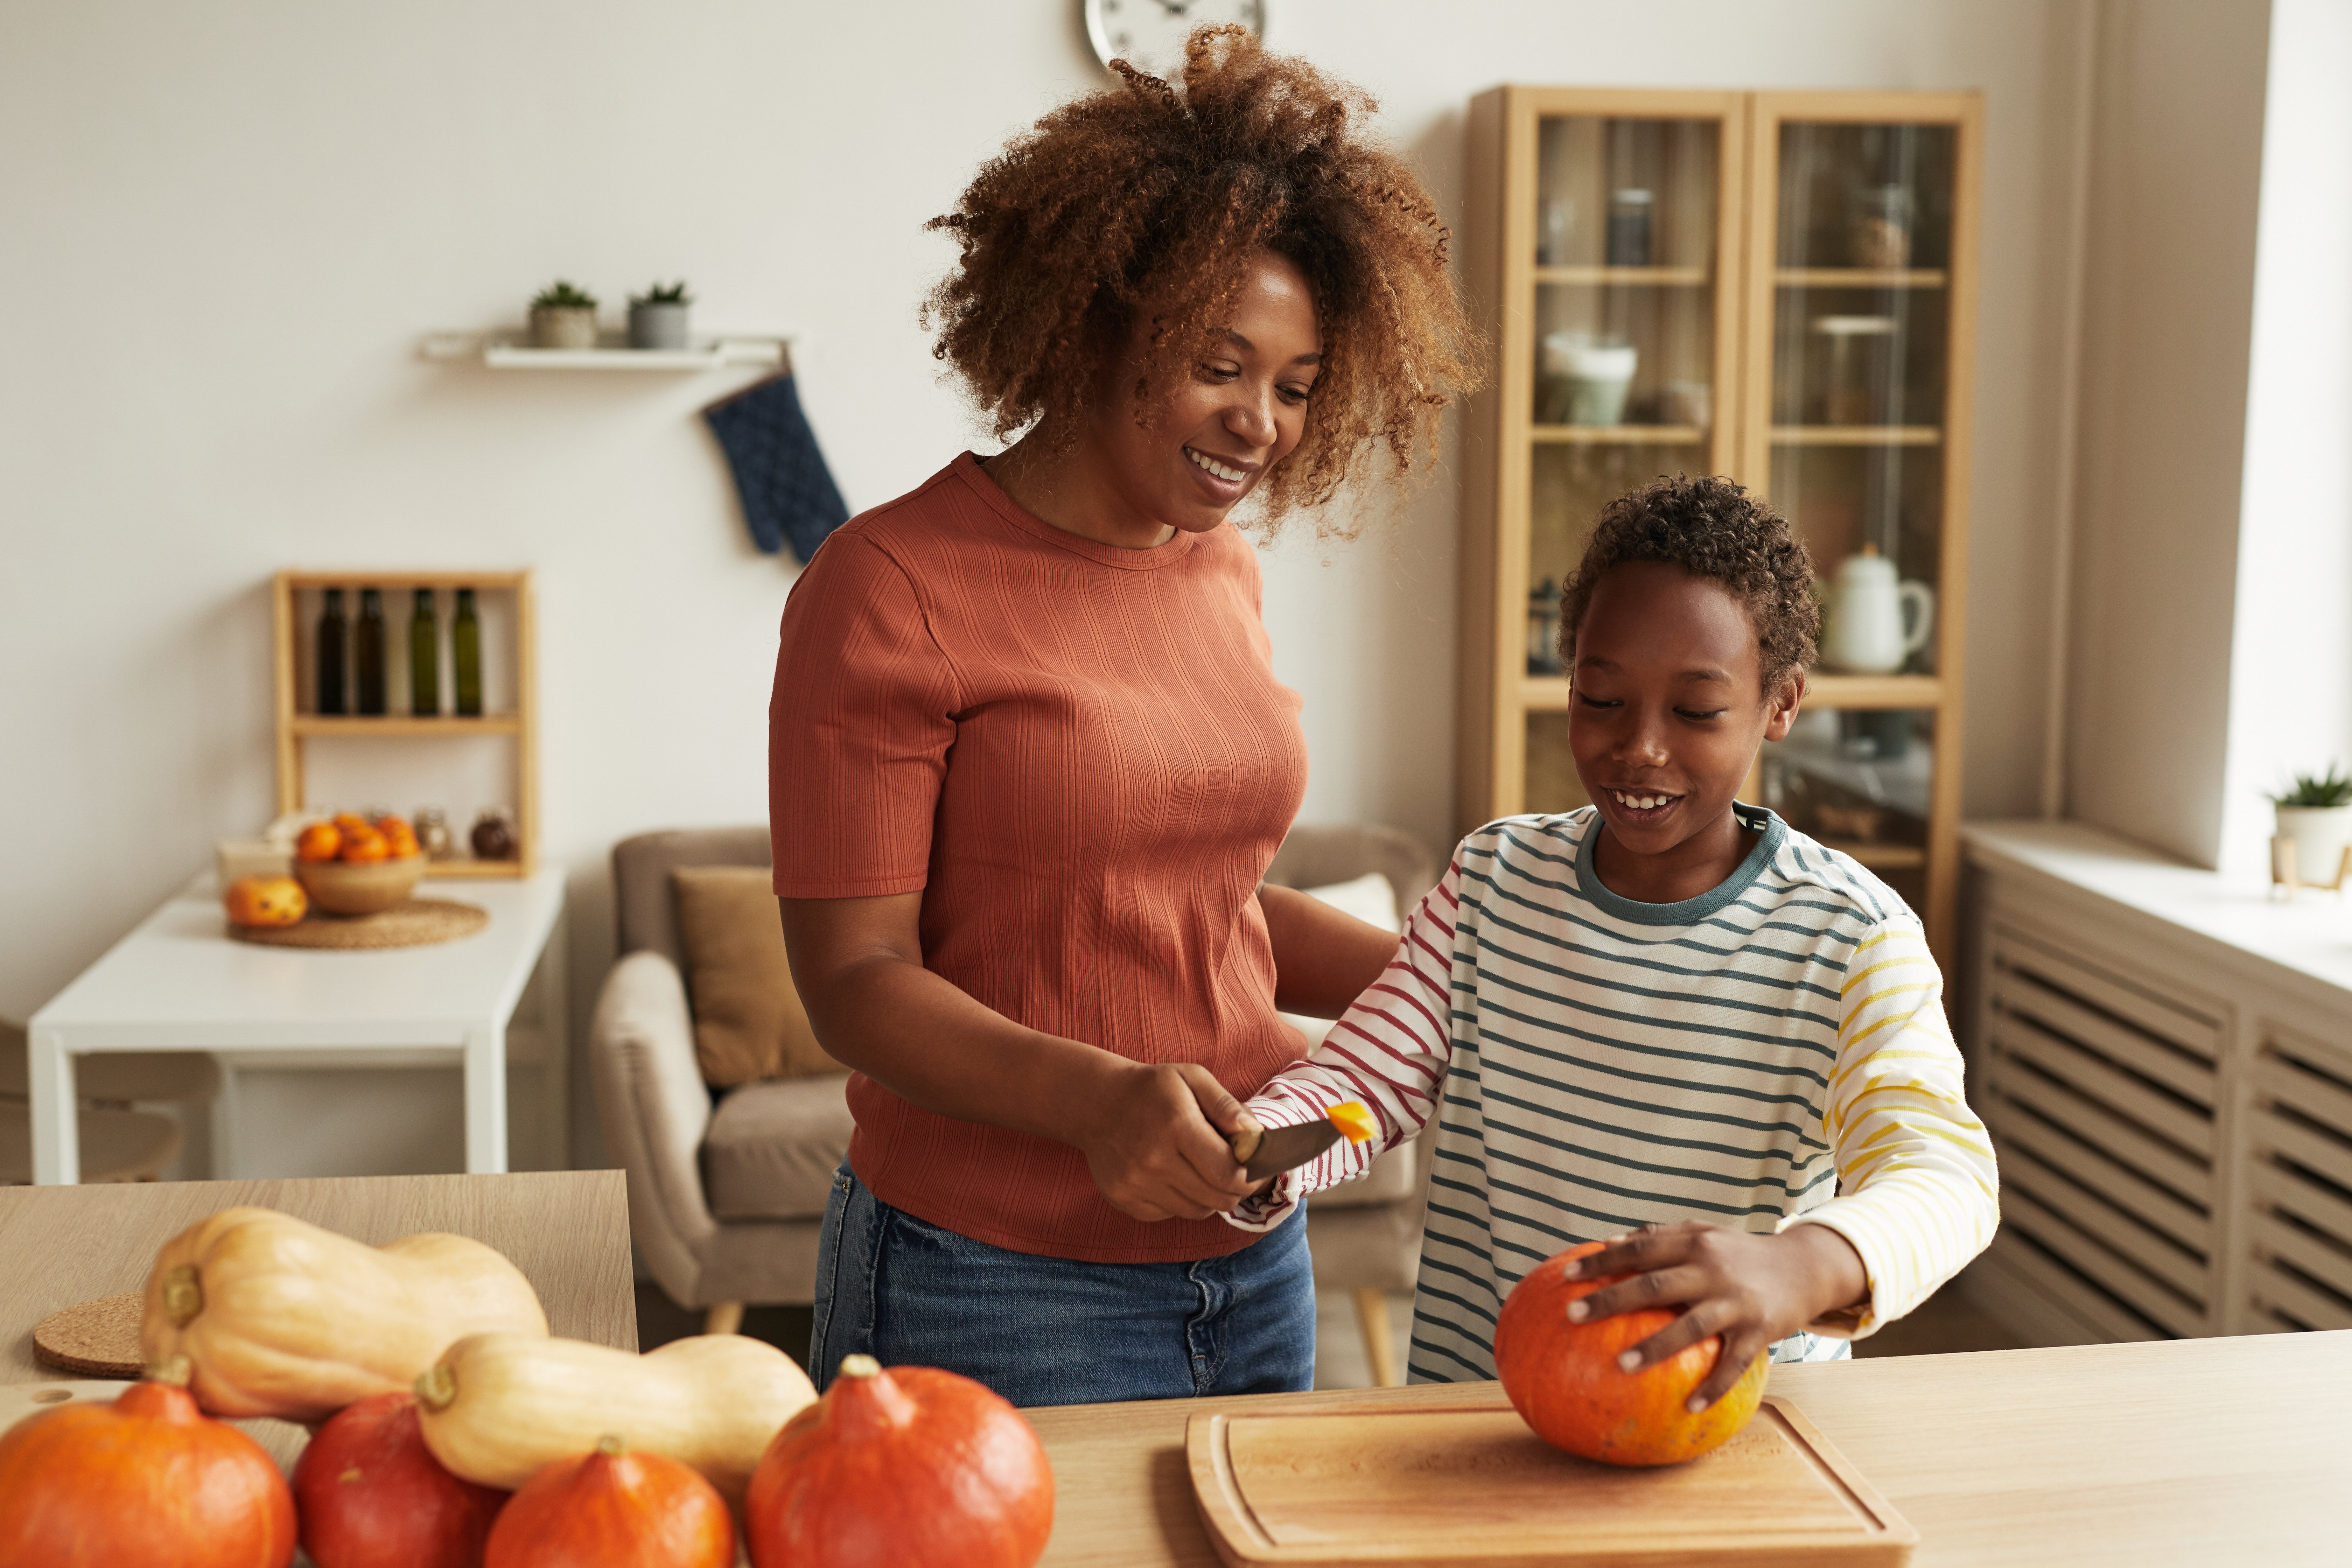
x: 1469, y: 1483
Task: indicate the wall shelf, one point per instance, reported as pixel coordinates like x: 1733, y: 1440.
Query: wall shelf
x: 1859, y: 278
x: 513, y: 351
x: 401, y: 725
x: 1856, y: 435
x: 1619, y: 435
x: 1628, y: 276
x: 1859, y: 693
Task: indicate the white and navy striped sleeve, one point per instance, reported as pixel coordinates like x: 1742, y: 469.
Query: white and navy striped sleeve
x: 1918, y: 1187
x: 1388, y: 1050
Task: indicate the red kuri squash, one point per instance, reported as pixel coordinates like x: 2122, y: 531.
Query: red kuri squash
x: 890, y: 1469
x: 372, y: 1496
x: 614, y: 1509
x: 1564, y: 1379
x: 146, y: 1478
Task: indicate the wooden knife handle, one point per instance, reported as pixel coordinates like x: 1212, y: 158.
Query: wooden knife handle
x: 1247, y: 1141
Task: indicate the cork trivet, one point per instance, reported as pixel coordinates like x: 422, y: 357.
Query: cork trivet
x: 413, y: 923
x: 97, y: 1338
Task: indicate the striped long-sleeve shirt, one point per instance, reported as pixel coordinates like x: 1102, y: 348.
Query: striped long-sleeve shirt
x: 1770, y: 1052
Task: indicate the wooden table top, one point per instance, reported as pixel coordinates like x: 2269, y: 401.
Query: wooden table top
x: 2203, y: 1451
x: 567, y: 1231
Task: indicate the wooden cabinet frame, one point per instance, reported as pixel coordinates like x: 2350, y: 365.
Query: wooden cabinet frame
x: 1497, y: 693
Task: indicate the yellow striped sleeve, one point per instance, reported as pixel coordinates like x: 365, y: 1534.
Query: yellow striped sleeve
x: 1918, y: 1192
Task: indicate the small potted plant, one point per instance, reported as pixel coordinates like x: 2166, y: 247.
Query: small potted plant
x: 657, y: 317
x: 563, y: 317
x: 2316, y: 814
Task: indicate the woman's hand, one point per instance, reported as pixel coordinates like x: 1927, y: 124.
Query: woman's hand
x: 1157, y: 1143
x: 1751, y: 1290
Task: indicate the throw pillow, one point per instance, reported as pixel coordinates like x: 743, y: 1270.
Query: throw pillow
x: 749, y: 1023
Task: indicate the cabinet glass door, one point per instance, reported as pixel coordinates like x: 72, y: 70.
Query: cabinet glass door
x: 1631, y: 348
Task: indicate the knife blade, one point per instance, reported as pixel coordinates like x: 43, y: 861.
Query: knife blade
x: 1279, y: 1149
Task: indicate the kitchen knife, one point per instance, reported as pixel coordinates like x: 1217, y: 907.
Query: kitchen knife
x: 1271, y: 1150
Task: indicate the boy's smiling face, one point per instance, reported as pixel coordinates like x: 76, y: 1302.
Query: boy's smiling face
x: 1669, y: 712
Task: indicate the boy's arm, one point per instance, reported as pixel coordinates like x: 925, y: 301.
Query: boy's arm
x: 1918, y: 1190
x: 1388, y: 1050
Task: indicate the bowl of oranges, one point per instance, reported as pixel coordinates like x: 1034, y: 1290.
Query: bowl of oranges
x: 356, y: 866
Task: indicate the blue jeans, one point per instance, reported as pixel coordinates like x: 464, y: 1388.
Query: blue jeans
x: 1052, y: 1331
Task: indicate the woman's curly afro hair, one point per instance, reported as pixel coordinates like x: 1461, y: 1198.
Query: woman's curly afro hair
x: 1144, y: 200
x: 1710, y: 528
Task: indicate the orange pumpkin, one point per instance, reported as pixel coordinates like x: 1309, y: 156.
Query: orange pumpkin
x: 319, y: 841
x: 363, y: 843
x: 265, y: 901
x: 372, y: 1496
x: 912, y: 1465
x: 614, y: 1509
x: 1564, y: 1379
x: 146, y: 1478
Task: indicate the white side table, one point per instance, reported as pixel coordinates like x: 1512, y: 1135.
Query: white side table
x: 179, y: 983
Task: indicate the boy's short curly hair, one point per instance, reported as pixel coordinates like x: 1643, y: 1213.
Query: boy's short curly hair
x: 1713, y: 529
x: 1148, y: 199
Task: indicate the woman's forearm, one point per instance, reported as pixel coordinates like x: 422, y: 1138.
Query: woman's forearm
x: 1323, y: 959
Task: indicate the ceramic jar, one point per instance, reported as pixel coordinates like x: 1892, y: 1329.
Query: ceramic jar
x: 1872, y: 621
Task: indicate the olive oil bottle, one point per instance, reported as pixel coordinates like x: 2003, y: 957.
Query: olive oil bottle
x: 367, y: 653
x: 334, y: 645
x: 424, y: 658
x: 466, y: 654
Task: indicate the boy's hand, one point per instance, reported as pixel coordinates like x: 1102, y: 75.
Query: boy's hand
x: 1751, y: 1290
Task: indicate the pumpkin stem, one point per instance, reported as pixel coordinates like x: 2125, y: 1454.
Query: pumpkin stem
x: 175, y: 1370
x: 183, y: 1295
x: 436, y: 1388
x: 860, y: 1366
x: 611, y: 1446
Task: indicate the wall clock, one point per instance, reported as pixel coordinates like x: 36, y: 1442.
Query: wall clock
x: 1149, y: 34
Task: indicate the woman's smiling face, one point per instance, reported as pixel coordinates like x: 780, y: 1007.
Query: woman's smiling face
x: 1242, y: 410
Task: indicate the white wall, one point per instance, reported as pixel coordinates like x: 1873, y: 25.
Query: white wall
x: 2290, y: 661
x: 224, y: 226
x: 2177, y: 169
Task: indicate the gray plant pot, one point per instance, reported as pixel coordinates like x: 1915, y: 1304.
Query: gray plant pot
x: 661, y: 326
x: 568, y: 327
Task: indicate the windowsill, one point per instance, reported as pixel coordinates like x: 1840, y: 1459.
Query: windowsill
x: 2302, y: 945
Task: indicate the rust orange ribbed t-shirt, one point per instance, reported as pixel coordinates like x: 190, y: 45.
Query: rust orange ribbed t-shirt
x: 1081, y: 757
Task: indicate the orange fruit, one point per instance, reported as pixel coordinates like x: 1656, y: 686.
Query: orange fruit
x: 265, y: 901
x: 365, y: 844
x: 319, y: 841
x: 399, y: 838
x: 347, y: 820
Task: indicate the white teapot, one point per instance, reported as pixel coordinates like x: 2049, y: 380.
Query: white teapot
x: 1872, y: 622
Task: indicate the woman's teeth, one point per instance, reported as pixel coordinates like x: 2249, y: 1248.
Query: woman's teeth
x: 1231, y: 476
x: 1642, y: 801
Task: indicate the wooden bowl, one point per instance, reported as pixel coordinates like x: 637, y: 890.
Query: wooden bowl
x: 359, y: 886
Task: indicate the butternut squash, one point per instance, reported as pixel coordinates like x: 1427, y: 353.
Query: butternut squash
x: 497, y: 1407
x: 278, y: 1317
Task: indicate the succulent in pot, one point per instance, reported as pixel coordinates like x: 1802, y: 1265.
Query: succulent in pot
x: 146, y: 1478
x: 563, y: 317
x: 2315, y: 812
x: 657, y: 317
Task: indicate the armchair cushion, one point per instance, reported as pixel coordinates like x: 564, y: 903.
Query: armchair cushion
x: 749, y: 1023
x: 771, y: 1148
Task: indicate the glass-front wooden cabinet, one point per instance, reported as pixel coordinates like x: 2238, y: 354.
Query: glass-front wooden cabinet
x: 1775, y: 286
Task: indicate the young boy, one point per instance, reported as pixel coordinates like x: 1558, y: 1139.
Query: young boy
x: 1665, y: 1013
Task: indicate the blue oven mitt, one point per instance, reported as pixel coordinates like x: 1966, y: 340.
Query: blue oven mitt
x: 786, y: 489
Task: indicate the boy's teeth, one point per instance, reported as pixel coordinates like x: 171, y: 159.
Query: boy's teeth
x: 1231, y: 476
x: 1640, y: 802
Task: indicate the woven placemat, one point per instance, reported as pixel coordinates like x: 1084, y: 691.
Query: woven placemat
x: 97, y: 1338
x: 413, y: 923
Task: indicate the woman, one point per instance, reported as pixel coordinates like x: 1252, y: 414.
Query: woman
x: 1029, y: 760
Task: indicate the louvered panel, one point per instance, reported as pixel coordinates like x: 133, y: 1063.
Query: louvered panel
x: 2194, y: 1029
x: 2126, y: 1234
x: 2131, y: 1193
x: 2191, y: 1127
x: 2017, y: 993
x: 2014, y: 1251
x: 2162, y: 1161
x: 2298, y: 1256
x: 2130, y: 1287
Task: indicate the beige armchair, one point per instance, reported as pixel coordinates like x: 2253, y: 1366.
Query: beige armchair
x: 725, y: 1199
x: 1366, y: 1234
